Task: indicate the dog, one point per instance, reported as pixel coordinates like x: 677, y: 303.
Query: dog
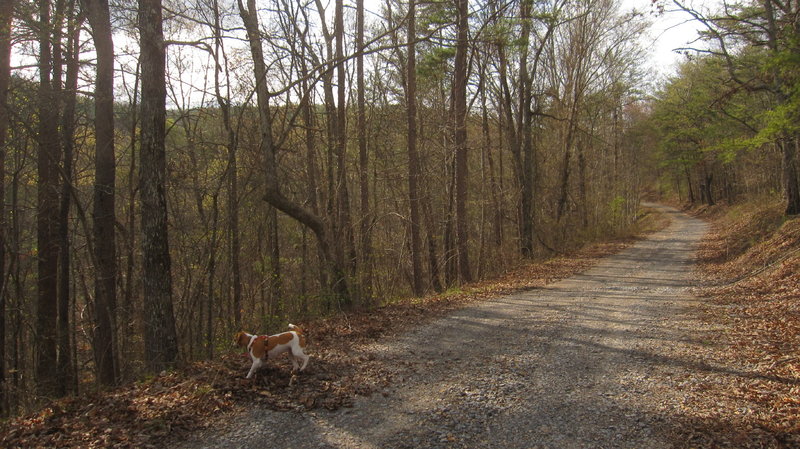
x: 261, y: 347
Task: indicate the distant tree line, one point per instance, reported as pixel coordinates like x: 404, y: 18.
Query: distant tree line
x: 174, y: 171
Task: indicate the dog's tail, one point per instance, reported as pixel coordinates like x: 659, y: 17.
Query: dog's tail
x: 300, y: 333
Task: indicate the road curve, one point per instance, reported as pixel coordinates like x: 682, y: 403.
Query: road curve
x: 587, y: 362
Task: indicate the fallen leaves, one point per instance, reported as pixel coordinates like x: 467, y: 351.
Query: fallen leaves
x: 137, y: 415
x: 155, y: 412
x: 750, y: 265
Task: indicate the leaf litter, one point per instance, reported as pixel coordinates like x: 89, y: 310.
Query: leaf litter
x: 171, y: 405
x: 749, y: 265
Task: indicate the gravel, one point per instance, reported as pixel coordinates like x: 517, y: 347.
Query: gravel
x: 587, y: 362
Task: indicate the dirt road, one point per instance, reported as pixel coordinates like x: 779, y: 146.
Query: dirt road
x: 589, y: 362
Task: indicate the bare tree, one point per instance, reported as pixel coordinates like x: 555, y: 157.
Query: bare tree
x: 6, y: 14
x: 413, y: 155
x: 460, y: 75
x: 48, y: 155
x: 105, y: 257
x: 65, y: 372
x: 344, y: 219
x: 161, y: 345
x: 232, y: 142
x: 363, y: 157
x: 273, y: 193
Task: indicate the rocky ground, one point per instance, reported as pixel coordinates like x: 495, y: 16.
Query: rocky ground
x: 595, y: 360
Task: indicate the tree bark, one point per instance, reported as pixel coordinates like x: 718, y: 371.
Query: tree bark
x: 460, y: 140
x: 47, y: 383
x: 345, y: 223
x: 363, y: 159
x: 523, y: 133
x: 64, y: 369
x: 103, y: 214
x: 6, y: 14
x: 413, y: 154
x: 160, y: 336
x: 791, y: 174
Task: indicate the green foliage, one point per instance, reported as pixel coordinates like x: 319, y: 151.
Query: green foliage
x: 702, y: 115
x: 740, y: 105
x: 436, y: 14
x: 616, y: 207
x: 435, y: 61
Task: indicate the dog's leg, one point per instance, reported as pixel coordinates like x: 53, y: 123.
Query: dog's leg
x: 256, y: 365
x: 302, y: 356
x: 297, y: 354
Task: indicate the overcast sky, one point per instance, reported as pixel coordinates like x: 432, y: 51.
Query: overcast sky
x: 670, y: 30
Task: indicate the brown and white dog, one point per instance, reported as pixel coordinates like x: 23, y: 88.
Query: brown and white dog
x: 261, y: 347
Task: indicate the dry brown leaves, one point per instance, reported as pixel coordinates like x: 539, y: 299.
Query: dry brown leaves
x: 163, y: 409
x: 136, y: 415
x: 751, y: 263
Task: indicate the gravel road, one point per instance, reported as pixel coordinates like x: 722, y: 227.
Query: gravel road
x: 587, y: 362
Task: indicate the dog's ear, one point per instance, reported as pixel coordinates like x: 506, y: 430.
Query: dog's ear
x: 238, y: 339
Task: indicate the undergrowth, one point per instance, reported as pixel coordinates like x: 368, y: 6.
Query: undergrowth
x: 153, y: 412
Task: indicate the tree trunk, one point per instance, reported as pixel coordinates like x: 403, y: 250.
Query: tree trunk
x: 523, y: 132
x: 130, y: 242
x: 413, y: 155
x: 345, y: 223
x: 566, y: 170
x: 212, y: 272
x: 105, y: 183
x: 433, y: 260
x: 64, y: 368
x: 460, y: 140
x: 689, y: 185
x: 6, y: 13
x: 582, y: 189
x: 312, y: 170
x: 791, y: 173
x: 19, y: 296
x: 363, y: 160
x: 47, y: 382
x: 160, y: 335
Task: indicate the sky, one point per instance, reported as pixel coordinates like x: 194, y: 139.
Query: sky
x: 670, y: 30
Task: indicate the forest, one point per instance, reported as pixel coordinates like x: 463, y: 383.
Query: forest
x: 176, y: 171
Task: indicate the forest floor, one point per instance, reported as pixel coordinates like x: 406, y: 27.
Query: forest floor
x: 583, y: 350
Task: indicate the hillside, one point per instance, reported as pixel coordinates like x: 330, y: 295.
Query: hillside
x: 166, y: 408
x: 750, y: 265
x: 729, y: 376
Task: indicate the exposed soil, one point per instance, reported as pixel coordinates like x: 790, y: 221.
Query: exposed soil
x: 595, y: 360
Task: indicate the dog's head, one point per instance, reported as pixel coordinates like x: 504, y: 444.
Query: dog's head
x: 241, y: 339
